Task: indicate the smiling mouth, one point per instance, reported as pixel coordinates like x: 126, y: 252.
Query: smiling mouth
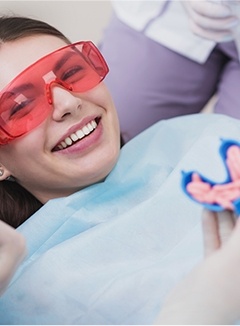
x: 77, y: 135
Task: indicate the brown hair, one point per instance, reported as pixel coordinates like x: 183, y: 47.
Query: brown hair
x: 16, y: 203
x: 16, y: 27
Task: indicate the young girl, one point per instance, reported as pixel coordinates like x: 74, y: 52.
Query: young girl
x: 45, y: 164
x: 100, y: 250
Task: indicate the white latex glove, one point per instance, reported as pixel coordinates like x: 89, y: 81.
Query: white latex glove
x: 12, y: 251
x: 215, y: 20
x: 211, y: 293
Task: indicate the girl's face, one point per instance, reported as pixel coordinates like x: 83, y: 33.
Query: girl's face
x: 35, y: 159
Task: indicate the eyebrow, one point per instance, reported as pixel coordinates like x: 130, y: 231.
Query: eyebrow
x: 61, y: 62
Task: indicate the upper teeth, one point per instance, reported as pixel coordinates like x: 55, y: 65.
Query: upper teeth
x: 79, y: 134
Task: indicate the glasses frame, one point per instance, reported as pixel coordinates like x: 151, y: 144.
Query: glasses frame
x: 92, y: 57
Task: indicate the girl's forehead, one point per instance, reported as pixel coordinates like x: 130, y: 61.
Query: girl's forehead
x: 15, y: 56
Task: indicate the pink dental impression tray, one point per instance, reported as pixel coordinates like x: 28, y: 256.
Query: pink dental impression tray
x: 217, y: 196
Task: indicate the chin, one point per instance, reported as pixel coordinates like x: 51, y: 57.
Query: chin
x: 107, y: 166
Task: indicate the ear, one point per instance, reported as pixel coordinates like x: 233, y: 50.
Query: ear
x: 4, y: 172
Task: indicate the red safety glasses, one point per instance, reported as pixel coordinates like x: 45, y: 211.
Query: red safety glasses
x: 27, y: 100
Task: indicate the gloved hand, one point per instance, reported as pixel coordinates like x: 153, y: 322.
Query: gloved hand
x: 215, y: 20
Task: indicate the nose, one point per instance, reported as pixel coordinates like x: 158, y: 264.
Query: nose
x: 64, y: 102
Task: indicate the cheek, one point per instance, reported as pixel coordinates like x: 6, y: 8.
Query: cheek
x: 101, y: 96
x: 31, y: 142
x: 108, y: 104
x: 25, y: 147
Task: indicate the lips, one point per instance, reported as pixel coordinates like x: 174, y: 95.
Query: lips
x: 77, y: 135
